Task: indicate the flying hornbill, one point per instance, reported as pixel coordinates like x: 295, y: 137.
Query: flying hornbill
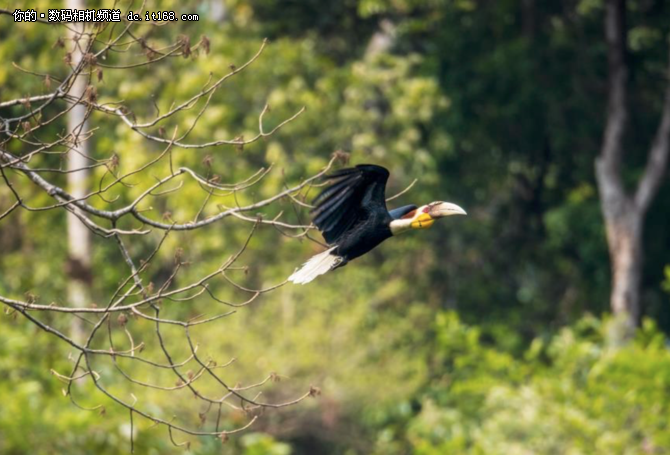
x: 352, y: 216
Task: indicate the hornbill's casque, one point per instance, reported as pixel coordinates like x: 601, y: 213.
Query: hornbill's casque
x: 352, y: 216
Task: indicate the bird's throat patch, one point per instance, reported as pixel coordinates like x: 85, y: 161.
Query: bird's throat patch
x: 423, y: 221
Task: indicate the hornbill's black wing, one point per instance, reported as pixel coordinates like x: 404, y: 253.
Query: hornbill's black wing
x: 351, y: 195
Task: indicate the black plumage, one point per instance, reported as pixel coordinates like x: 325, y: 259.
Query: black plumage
x: 351, y: 212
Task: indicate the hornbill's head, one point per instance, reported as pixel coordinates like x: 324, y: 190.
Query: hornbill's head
x: 422, y: 217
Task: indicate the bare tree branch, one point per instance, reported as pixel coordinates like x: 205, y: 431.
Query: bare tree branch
x: 110, y: 337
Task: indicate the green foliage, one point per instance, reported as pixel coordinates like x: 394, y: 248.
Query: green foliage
x: 35, y: 417
x: 568, y: 394
x: 263, y: 444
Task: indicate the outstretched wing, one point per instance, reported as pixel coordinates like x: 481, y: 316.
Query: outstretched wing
x: 352, y: 194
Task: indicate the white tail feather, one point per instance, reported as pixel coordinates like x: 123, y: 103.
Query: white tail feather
x: 317, y: 265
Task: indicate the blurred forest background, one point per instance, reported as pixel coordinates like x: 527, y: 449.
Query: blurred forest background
x: 488, y: 334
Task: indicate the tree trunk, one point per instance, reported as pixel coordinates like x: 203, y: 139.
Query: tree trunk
x: 79, y: 239
x: 624, y: 213
x: 624, y: 237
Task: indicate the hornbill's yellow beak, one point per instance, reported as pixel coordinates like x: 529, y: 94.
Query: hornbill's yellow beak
x: 427, y: 214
